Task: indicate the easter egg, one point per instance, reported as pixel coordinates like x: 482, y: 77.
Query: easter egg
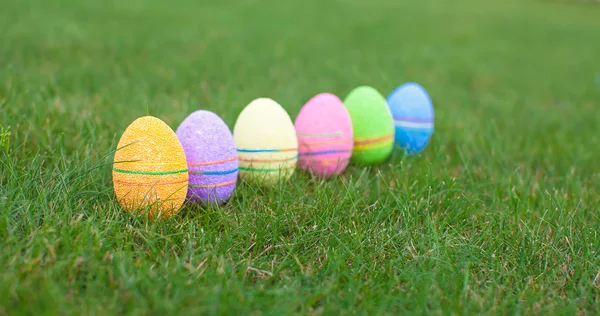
x: 325, y: 138
x: 413, y: 117
x: 266, y: 142
x: 372, y: 124
x: 211, y: 157
x: 150, y: 169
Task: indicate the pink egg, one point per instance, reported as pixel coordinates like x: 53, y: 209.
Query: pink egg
x: 325, y: 137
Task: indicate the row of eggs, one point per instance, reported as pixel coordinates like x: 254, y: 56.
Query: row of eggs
x: 158, y: 169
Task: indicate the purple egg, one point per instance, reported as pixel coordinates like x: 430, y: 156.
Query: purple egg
x: 211, y: 156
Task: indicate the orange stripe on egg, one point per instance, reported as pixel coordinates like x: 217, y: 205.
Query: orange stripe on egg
x: 367, y: 141
x: 208, y: 186
x: 326, y: 160
x: 373, y: 145
x: 268, y: 160
x: 335, y: 141
x: 148, y: 184
x: 300, y: 134
x: 140, y: 163
x: 198, y: 164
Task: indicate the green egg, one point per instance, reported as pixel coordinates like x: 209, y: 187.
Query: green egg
x: 372, y: 124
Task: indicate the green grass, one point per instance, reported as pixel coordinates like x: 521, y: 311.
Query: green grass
x: 500, y: 214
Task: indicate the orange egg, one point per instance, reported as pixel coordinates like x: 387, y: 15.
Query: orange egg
x: 150, y: 170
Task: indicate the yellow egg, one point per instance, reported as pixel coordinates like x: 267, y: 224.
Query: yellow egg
x: 266, y: 142
x: 150, y: 169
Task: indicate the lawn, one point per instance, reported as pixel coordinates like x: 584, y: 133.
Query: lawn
x: 499, y: 215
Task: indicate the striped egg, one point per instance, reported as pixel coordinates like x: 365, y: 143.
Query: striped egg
x: 325, y: 138
x: 149, y: 169
x: 211, y: 157
x: 413, y: 117
x: 372, y: 125
x: 266, y: 142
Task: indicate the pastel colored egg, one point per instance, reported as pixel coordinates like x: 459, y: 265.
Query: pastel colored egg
x: 413, y: 117
x: 211, y: 157
x: 372, y: 125
x: 150, y: 169
x: 325, y: 137
x: 266, y: 142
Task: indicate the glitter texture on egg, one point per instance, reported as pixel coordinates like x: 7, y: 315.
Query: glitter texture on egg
x: 372, y: 124
x: 325, y: 136
x: 266, y: 142
x: 149, y: 169
x: 413, y: 117
x: 211, y: 156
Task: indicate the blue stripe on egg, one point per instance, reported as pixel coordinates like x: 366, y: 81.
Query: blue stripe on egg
x: 413, y: 116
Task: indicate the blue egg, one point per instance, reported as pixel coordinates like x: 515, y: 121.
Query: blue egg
x: 413, y: 117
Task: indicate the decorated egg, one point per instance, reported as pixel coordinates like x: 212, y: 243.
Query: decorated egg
x: 211, y: 157
x: 413, y: 117
x: 373, y: 126
x: 324, y: 132
x: 266, y: 142
x: 150, y: 169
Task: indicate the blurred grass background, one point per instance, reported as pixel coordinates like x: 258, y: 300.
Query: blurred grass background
x: 499, y: 214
